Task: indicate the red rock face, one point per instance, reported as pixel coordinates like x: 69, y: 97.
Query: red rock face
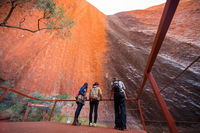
x: 42, y: 62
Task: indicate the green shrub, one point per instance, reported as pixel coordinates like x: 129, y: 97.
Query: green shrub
x: 16, y: 106
x: 56, y: 17
x: 9, y: 100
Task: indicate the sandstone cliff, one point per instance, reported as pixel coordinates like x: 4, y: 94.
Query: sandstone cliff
x: 130, y: 36
x: 101, y: 47
x: 42, y: 62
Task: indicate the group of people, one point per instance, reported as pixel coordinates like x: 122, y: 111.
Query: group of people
x: 95, y: 95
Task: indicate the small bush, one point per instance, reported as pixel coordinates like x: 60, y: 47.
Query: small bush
x: 9, y: 100
x: 16, y: 106
x: 56, y: 17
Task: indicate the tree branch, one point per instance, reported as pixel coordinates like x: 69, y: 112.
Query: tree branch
x: 33, y: 31
x: 13, y: 5
x: 46, y: 15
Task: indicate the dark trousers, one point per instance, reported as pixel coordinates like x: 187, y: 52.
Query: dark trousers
x: 120, y: 110
x: 78, y: 109
x: 93, y: 107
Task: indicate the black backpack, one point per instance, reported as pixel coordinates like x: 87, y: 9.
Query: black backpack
x: 116, y: 87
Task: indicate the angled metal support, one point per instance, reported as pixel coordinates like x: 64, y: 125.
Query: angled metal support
x: 4, y: 94
x: 52, y: 111
x: 141, y: 115
x: 26, y: 113
x: 170, y: 121
x: 168, y: 13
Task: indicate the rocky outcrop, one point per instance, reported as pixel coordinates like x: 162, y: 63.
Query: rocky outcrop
x: 101, y: 47
x: 130, y: 36
x: 42, y: 62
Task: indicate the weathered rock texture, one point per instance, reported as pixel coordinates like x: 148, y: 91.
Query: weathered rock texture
x: 130, y: 36
x: 101, y: 47
x: 41, y: 62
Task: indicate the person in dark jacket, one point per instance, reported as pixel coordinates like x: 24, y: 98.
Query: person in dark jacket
x: 118, y: 88
x: 80, y: 100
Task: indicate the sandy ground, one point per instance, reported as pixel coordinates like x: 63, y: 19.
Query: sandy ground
x: 44, y: 127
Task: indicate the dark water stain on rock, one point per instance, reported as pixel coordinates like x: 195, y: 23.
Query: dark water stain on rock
x: 129, y: 46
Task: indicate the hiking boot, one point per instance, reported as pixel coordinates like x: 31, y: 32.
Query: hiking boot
x: 76, y: 123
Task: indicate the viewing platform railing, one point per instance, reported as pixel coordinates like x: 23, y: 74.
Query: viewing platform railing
x: 56, y: 100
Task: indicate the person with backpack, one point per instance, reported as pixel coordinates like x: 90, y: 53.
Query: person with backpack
x: 95, y: 96
x: 118, y: 88
x: 80, y: 100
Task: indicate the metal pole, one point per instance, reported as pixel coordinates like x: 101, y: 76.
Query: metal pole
x: 162, y: 104
x: 26, y: 113
x: 168, y: 13
x: 52, y: 111
x: 174, y: 79
x: 44, y: 115
x: 142, y: 86
x: 141, y: 115
x: 4, y: 94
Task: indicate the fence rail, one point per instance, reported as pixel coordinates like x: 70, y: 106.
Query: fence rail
x: 68, y: 100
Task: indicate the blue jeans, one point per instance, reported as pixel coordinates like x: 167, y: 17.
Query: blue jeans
x: 78, y: 109
x: 120, y: 110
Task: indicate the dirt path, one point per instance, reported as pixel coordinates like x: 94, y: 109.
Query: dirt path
x: 50, y: 127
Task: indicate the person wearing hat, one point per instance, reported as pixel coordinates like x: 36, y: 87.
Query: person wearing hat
x: 95, y: 96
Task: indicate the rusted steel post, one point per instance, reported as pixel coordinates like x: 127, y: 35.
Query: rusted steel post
x: 26, y: 113
x: 45, y: 113
x: 141, y: 115
x: 167, y: 15
x: 4, y: 93
x: 162, y: 104
x: 52, y: 111
x: 142, y: 86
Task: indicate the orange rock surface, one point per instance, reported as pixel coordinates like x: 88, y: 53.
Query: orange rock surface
x: 42, y: 62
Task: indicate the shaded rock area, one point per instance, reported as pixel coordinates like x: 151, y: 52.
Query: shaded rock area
x: 130, y: 36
